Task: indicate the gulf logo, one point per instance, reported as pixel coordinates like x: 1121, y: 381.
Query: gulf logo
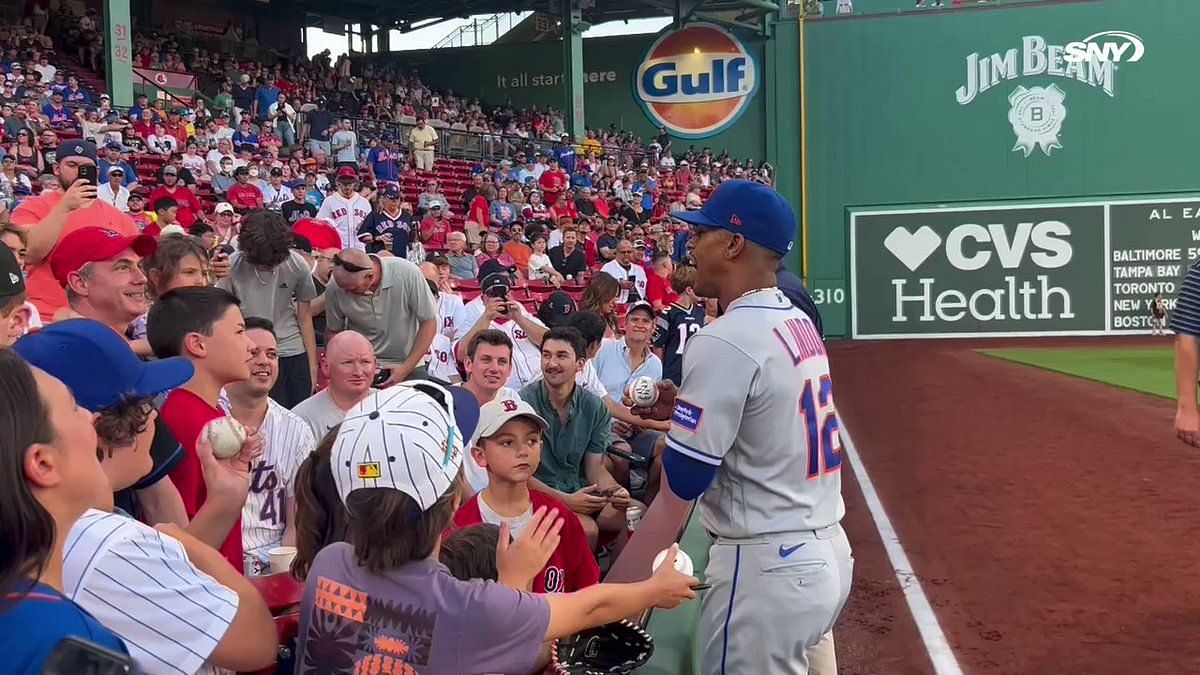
x: 696, y: 81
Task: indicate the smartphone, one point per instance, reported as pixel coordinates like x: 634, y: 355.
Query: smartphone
x: 73, y: 656
x: 88, y: 173
x: 381, y: 377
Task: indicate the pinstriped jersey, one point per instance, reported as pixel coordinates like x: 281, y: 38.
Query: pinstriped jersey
x: 140, y: 584
x: 757, y: 403
x: 289, y: 440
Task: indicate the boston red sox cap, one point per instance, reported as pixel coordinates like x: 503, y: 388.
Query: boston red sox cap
x: 750, y: 209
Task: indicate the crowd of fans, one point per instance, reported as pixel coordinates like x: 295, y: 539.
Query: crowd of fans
x: 263, y: 261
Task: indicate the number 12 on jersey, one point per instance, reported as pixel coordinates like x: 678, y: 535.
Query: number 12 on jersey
x: 821, y: 427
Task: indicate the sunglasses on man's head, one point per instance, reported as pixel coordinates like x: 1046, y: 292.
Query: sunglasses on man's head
x: 348, y: 266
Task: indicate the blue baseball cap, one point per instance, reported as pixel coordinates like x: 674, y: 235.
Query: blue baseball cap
x: 98, y: 365
x: 750, y: 209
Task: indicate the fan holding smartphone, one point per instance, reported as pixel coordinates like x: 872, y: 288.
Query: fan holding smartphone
x: 54, y: 213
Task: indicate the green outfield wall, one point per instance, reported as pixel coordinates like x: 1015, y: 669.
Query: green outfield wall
x: 965, y: 178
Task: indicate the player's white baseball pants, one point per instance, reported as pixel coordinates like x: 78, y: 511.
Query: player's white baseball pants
x: 772, y: 598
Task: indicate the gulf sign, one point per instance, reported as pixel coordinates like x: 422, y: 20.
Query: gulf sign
x: 696, y: 81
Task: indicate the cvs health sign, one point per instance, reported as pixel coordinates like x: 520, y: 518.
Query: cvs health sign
x: 696, y: 81
x: 978, y: 271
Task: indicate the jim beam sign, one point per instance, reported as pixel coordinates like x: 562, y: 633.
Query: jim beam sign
x: 1037, y: 113
x: 978, y: 272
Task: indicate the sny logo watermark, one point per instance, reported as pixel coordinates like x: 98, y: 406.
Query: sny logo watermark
x: 1091, y: 48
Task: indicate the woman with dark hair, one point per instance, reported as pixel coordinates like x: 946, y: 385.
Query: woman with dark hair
x: 600, y: 298
x: 274, y: 281
x: 320, y: 515
x: 29, y: 157
x: 52, y: 476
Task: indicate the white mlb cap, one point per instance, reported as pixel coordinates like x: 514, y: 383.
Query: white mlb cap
x: 492, y: 416
x: 498, y: 412
x: 406, y: 438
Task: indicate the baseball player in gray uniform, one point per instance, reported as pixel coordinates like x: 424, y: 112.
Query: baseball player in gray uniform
x: 754, y: 435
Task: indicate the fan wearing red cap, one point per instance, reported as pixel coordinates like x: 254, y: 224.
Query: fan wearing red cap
x: 99, y: 270
x: 346, y: 209
x: 55, y: 213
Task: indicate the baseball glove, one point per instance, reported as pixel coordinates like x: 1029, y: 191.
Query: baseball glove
x: 618, y: 647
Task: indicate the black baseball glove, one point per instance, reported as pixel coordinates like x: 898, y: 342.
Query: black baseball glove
x: 618, y: 647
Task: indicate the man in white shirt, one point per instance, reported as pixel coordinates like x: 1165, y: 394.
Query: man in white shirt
x: 492, y: 309
x: 114, y: 191
x: 423, y: 139
x: 344, y: 144
x: 346, y: 209
x: 213, y: 158
x: 350, y: 366
x: 268, y: 517
x: 627, y: 272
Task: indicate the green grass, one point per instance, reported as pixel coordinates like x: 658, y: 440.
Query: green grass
x: 1150, y: 370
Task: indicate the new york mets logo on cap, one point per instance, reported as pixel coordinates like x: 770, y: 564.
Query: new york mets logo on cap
x: 696, y: 81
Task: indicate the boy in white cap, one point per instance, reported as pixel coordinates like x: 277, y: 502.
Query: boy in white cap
x: 379, y: 599
x: 508, y: 445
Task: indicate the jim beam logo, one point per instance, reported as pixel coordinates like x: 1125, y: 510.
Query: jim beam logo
x: 1020, y: 256
x: 1037, y: 113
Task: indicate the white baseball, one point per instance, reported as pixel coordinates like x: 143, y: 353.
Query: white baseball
x: 226, y: 436
x: 643, y: 391
x: 683, y: 562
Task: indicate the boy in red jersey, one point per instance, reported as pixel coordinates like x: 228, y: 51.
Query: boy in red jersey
x: 508, y: 443
x: 205, y: 325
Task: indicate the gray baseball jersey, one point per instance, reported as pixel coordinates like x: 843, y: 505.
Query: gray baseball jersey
x: 757, y: 402
x: 264, y: 516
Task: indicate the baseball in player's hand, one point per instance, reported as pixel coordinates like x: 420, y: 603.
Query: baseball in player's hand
x: 1187, y: 425
x: 585, y: 501
x: 519, y: 561
x: 663, y: 406
x: 669, y: 587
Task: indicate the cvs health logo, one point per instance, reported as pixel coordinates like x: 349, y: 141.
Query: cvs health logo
x: 971, y: 247
x: 1120, y: 45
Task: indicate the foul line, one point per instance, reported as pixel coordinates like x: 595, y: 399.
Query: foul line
x: 936, y: 645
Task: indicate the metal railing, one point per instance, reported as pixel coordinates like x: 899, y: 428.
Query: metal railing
x: 478, y: 145
x: 481, y: 31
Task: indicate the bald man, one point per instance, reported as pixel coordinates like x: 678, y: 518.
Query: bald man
x: 388, y: 301
x: 350, y: 366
